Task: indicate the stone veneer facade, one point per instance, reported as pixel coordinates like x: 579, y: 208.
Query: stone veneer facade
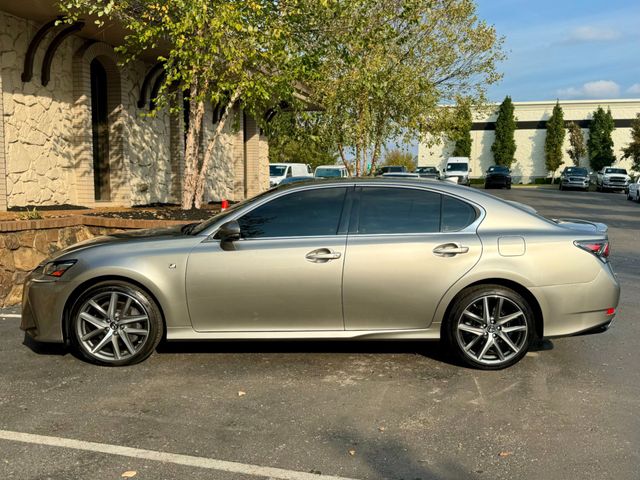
x: 46, y: 143
x: 530, y: 136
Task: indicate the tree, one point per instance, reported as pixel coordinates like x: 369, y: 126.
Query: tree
x: 554, y: 140
x: 214, y: 52
x: 576, y: 140
x: 632, y: 150
x: 504, y: 145
x: 462, y: 136
x: 389, y: 66
x: 400, y: 158
x: 600, y: 143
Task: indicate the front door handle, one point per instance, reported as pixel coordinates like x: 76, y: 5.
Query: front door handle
x: 450, y: 249
x: 322, y: 255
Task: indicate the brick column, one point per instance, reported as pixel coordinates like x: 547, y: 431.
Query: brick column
x: 3, y: 158
x: 252, y: 157
x: 239, y: 192
x: 176, y: 152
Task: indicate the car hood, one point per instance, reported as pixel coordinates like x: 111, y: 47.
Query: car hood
x: 133, y: 235
x: 584, y: 226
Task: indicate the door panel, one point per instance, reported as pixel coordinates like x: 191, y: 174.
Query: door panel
x: 397, y: 281
x: 267, y: 285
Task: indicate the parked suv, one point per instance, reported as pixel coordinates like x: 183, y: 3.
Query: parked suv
x: 574, y: 177
x: 612, y: 178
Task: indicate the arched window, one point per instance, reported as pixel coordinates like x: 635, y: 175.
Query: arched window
x: 100, y: 130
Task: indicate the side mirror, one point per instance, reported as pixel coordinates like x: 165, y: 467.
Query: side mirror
x: 229, y: 232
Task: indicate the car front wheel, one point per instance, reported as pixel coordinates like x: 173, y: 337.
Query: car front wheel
x: 489, y: 327
x: 116, y: 323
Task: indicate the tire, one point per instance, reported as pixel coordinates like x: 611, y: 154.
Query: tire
x: 509, y: 187
x: 115, y: 323
x: 465, y: 329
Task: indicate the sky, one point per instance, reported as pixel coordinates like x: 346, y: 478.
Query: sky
x: 566, y: 49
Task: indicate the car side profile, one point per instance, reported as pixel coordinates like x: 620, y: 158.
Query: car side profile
x: 350, y: 259
x: 634, y: 190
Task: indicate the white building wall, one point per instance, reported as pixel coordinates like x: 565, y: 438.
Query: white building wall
x: 530, y: 141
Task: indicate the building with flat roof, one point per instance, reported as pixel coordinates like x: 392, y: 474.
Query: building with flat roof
x: 530, y: 136
x: 73, y: 129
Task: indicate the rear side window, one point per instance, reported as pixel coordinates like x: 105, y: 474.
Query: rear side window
x: 386, y: 210
x: 456, y: 214
x: 300, y: 214
x: 398, y: 210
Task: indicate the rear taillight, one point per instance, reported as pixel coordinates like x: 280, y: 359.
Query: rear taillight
x: 600, y: 248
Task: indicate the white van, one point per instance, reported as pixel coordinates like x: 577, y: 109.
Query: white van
x: 457, y: 170
x: 280, y: 171
x: 331, y: 171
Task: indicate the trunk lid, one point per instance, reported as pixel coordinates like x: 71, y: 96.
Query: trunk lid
x: 583, y: 226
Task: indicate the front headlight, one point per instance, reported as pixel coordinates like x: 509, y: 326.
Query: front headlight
x: 58, y: 269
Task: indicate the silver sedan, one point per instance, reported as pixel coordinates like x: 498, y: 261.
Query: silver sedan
x: 352, y: 259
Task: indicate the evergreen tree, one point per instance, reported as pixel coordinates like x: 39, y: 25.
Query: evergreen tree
x: 576, y: 140
x: 600, y: 144
x: 632, y: 150
x: 504, y: 145
x: 554, y: 140
x: 462, y: 135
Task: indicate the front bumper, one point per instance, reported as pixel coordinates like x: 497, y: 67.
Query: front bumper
x: 43, y: 308
x: 569, y: 183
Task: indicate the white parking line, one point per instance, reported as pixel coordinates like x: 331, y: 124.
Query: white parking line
x: 188, y: 460
x: 10, y: 315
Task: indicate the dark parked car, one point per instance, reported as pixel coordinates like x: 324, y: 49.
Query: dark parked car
x: 428, y: 172
x: 574, y: 177
x: 390, y: 169
x: 497, y: 177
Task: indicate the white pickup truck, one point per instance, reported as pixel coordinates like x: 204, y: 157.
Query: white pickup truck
x: 612, y: 178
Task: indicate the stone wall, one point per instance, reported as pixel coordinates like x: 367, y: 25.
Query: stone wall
x: 24, y: 244
x: 48, y: 132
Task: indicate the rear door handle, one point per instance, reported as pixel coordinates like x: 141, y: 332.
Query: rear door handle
x: 450, y: 249
x: 322, y: 255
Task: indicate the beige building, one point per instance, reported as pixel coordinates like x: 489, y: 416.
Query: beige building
x: 73, y: 128
x: 530, y: 136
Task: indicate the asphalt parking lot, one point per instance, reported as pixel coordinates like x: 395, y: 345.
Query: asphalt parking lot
x: 354, y: 410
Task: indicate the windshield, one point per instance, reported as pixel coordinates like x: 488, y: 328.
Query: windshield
x: 616, y: 170
x: 426, y: 170
x: 497, y: 168
x: 576, y: 171
x: 328, y: 172
x: 457, y: 167
x: 277, y: 170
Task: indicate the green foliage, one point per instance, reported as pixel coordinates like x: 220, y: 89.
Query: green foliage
x: 554, y: 140
x: 388, y: 66
x: 576, y: 140
x: 400, y: 158
x: 632, y: 150
x: 504, y: 145
x: 462, y: 134
x: 30, y: 214
x: 600, y: 143
x: 296, y: 139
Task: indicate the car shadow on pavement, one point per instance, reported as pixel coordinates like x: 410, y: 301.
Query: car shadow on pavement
x: 429, y: 349
x: 59, y: 349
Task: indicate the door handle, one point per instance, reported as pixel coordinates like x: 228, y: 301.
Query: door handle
x: 322, y: 255
x: 450, y: 249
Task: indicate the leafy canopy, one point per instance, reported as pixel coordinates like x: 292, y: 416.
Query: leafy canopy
x: 577, y: 148
x: 632, y: 150
x: 504, y: 145
x: 600, y: 143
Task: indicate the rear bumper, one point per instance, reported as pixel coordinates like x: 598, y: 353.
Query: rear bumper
x: 577, y: 309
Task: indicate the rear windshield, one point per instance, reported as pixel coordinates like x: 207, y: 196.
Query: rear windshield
x: 328, y: 172
x: 498, y: 169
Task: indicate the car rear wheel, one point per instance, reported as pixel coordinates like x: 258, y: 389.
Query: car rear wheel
x: 116, y: 323
x: 490, y: 327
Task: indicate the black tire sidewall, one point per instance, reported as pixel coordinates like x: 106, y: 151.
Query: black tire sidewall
x: 156, y: 326
x: 467, y: 297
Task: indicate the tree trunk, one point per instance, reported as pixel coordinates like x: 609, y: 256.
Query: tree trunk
x: 192, y: 149
x: 201, y: 180
x: 344, y: 159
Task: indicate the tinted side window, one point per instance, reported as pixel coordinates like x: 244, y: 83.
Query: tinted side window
x: 306, y: 213
x: 456, y: 214
x: 398, y: 210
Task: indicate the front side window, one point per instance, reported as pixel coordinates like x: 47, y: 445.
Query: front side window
x: 300, y: 214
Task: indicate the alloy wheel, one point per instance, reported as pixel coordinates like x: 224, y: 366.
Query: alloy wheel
x: 492, y: 330
x: 112, y: 326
